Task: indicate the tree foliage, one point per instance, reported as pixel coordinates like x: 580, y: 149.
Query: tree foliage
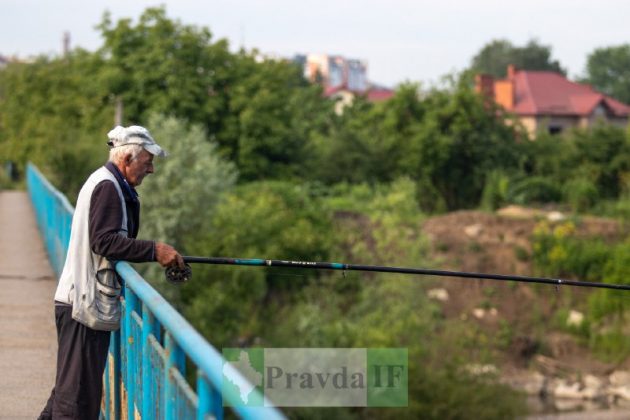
x: 269, y: 125
x: 187, y: 183
x: 608, y: 70
x: 458, y: 143
x: 496, y: 55
x: 161, y: 65
x: 600, y: 154
x: 55, y: 113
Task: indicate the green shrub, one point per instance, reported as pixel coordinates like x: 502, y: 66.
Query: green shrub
x: 605, y: 303
x: 608, y: 309
x: 495, y: 191
x: 534, y: 190
x: 560, y: 321
x: 557, y: 252
x: 612, y: 347
x: 5, y: 180
x: 521, y: 253
x: 581, y: 194
x: 180, y: 198
x: 619, y: 209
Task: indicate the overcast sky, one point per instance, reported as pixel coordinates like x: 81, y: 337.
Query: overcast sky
x: 401, y: 40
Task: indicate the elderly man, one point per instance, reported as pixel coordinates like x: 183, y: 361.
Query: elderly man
x: 104, y: 229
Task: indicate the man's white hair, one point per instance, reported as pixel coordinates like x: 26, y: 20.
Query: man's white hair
x: 117, y: 154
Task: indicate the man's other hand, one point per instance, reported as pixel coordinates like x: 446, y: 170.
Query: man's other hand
x: 167, y: 256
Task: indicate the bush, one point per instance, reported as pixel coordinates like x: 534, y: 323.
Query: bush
x: 557, y: 252
x: 179, y: 199
x: 534, y: 190
x: 612, y: 347
x: 381, y: 224
x: 581, y: 194
x: 608, y: 309
x: 274, y: 220
x: 187, y: 185
x: 619, y: 209
x: 605, y: 303
x: 495, y: 191
x: 6, y: 183
x: 393, y: 311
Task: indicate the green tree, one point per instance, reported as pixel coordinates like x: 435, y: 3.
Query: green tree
x: 276, y: 220
x: 548, y: 156
x: 55, y: 112
x: 460, y: 141
x: 179, y: 200
x: 496, y: 55
x: 161, y: 65
x: 367, y: 143
x: 608, y: 70
x: 353, y: 148
x: 253, y: 109
x: 602, y: 154
x: 273, y: 111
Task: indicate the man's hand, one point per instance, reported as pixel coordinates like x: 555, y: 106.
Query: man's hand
x: 167, y: 256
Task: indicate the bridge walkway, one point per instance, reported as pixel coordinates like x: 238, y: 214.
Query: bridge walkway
x: 28, y: 339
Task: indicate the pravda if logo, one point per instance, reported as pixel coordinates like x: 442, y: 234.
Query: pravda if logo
x: 320, y: 377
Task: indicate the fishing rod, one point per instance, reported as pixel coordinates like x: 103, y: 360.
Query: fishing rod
x: 177, y: 275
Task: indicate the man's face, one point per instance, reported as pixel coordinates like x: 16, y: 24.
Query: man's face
x: 138, y: 168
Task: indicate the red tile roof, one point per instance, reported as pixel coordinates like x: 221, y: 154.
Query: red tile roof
x: 549, y: 93
x: 372, y: 94
x: 377, y: 95
x: 329, y: 91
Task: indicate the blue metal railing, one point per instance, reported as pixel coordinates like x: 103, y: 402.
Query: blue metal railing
x: 146, y: 367
x: 54, y: 216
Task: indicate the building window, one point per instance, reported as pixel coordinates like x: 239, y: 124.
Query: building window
x: 555, y: 129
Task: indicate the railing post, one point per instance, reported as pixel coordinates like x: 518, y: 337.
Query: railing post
x: 210, y: 401
x: 148, y: 328
x: 131, y: 303
x: 174, y: 359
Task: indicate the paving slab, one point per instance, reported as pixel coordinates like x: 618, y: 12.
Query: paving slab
x: 28, y: 338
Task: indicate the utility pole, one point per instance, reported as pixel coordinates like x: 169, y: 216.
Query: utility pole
x: 118, y: 115
x: 66, y: 43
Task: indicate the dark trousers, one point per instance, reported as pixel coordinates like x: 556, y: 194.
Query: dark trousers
x: 80, y: 365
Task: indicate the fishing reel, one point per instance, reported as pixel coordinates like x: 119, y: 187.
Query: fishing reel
x: 178, y: 275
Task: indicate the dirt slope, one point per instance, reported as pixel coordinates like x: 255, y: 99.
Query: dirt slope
x: 501, y: 243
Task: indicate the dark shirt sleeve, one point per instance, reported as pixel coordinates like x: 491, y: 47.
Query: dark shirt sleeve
x: 105, y: 222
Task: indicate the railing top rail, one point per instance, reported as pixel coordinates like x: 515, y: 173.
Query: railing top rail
x: 58, y: 194
x: 206, y: 357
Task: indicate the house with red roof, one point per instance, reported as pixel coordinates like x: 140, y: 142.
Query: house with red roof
x: 345, y: 96
x: 546, y: 101
x: 342, y: 78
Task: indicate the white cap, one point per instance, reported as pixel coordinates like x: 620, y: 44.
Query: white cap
x: 121, y: 136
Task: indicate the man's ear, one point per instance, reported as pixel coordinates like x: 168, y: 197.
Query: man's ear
x: 128, y: 159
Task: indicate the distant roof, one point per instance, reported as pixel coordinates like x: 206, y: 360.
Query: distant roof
x: 329, y: 91
x: 374, y: 94
x: 379, y: 94
x: 549, y: 93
